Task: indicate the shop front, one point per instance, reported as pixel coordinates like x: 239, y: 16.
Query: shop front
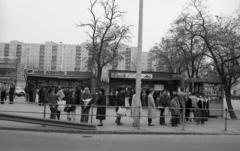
x: 212, y: 89
x: 156, y: 80
x: 59, y: 78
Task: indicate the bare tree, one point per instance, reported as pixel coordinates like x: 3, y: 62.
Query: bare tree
x: 106, y: 36
x: 222, y: 39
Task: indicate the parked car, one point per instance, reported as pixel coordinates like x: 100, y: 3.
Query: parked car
x: 19, y: 91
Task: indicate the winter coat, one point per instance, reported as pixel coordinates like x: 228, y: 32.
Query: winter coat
x: 151, y: 107
x: 175, y: 106
x: 120, y: 100
x: 101, y: 109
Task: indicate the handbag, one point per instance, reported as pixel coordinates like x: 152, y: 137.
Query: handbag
x: 166, y: 111
x: 73, y: 108
x: 67, y: 109
x: 61, y: 105
x: 122, y: 111
x: 53, y: 107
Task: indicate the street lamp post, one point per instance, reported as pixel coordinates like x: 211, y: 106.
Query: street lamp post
x: 62, y: 57
x: 139, y: 56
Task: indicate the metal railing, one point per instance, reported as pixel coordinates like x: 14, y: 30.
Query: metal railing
x: 92, y: 106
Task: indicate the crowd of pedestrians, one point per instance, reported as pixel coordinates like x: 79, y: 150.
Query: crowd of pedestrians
x: 194, y: 106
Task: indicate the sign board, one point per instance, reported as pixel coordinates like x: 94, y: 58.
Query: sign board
x: 131, y: 75
x: 158, y: 87
x: 45, y: 72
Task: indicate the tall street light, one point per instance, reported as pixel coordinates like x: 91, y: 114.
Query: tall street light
x: 62, y: 57
x: 139, y: 56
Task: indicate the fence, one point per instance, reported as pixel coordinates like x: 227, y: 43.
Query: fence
x: 91, y: 114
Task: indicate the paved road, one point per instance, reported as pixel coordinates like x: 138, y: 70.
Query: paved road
x: 29, y: 141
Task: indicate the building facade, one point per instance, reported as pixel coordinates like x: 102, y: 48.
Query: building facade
x: 69, y: 57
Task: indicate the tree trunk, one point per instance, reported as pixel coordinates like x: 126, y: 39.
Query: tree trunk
x: 229, y: 102
x: 98, y: 83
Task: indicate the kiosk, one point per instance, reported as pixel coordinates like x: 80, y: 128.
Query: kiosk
x: 212, y: 89
x: 56, y: 78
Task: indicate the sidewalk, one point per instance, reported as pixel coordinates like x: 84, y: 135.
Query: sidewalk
x: 214, y: 126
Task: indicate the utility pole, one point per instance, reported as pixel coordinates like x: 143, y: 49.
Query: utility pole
x: 139, y: 56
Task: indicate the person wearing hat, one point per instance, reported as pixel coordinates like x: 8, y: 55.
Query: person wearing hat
x: 120, y: 100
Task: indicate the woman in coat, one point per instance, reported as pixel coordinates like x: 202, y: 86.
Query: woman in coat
x: 71, y: 102
x: 120, y: 100
x: 11, y: 93
x: 101, y: 109
x: 175, y: 110
x: 151, y: 108
x: 86, y: 108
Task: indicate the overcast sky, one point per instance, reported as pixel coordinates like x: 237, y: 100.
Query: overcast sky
x: 38, y: 21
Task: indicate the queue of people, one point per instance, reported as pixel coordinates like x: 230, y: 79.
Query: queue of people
x: 178, y: 104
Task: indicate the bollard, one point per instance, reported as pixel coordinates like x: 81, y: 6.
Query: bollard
x: 44, y: 111
x: 226, y: 111
x: 91, y: 113
x: 183, y: 120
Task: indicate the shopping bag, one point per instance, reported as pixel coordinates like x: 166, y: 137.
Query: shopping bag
x: 122, y: 111
x: 61, y: 105
x: 127, y: 102
x: 166, y: 111
x: 67, y: 109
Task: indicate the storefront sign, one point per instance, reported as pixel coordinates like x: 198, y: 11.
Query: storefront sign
x: 45, y: 72
x: 158, y: 87
x: 130, y: 75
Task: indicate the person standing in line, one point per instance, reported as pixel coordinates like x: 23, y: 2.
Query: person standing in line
x: 175, y: 110
x: 3, y: 93
x: 120, y: 103
x: 101, y: 108
x: 194, y: 101
x: 188, y: 108
x: 71, y: 102
x: 60, y: 95
x: 143, y: 96
x: 11, y: 93
x: 201, y: 110
x: 206, y: 107
x: 52, y: 100
x: 151, y: 107
x: 86, y: 105
x: 26, y: 89
x: 127, y: 97
x: 183, y: 99
x: 164, y: 100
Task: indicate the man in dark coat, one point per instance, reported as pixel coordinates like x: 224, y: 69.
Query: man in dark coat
x: 202, y: 105
x: 163, y: 102
x: 120, y: 102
